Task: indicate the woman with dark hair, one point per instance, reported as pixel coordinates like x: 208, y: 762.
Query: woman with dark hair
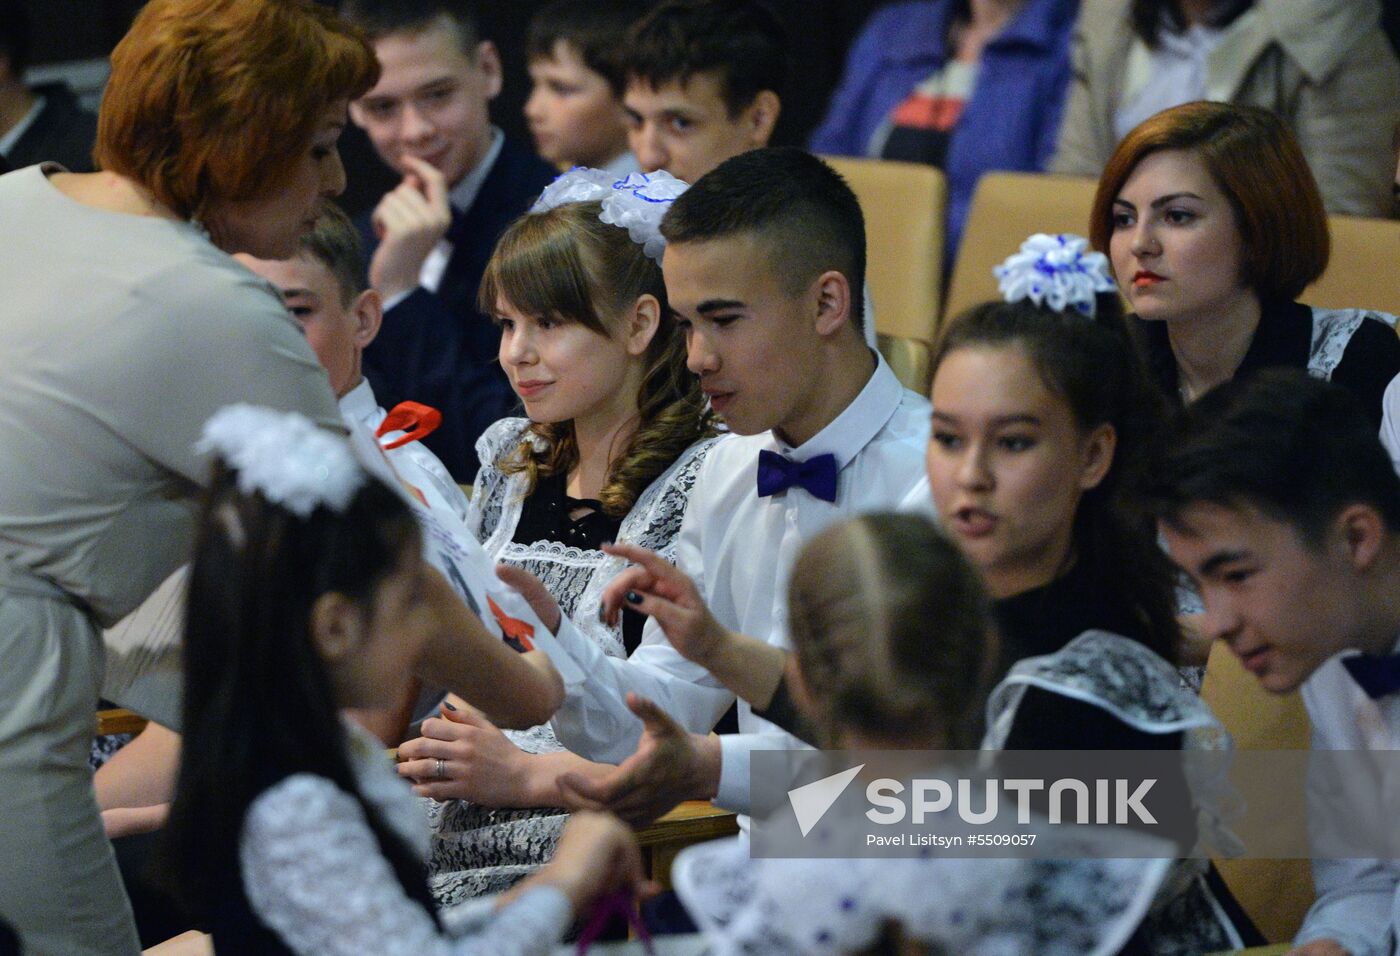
x: 127, y: 324
x: 1324, y: 67
x: 1214, y: 226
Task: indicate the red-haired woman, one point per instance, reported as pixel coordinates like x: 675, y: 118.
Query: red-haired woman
x: 1214, y: 226
x: 126, y: 326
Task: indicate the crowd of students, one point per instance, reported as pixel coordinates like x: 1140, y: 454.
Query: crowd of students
x: 235, y: 415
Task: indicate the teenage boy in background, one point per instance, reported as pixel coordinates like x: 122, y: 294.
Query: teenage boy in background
x: 429, y: 238
x: 1276, y: 497
x: 575, y: 50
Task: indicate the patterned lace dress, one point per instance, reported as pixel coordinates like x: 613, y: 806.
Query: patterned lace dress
x: 476, y: 849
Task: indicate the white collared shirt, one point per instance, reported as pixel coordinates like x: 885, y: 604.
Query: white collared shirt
x: 415, y: 464
x: 622, y: 165
x: 1358, y: 902
x: 739, y: 549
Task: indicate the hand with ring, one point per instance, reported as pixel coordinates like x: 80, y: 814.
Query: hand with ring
x: 463, y: 756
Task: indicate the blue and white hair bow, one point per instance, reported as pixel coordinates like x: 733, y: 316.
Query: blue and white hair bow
x: 1057, y: 272
x: 636, y: 203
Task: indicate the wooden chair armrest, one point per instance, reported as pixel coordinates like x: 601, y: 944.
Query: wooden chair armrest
x: 119, y: 720
x: 695, y: 821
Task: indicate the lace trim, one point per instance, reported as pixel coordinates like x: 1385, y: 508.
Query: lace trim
x: 1107, y: 670
x: 313, y: 872
x: 478, y: 849
x: 1332, y: 330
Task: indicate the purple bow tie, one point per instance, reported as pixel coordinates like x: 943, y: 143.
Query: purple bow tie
x: 1378, y: 676
x: 817, y: 475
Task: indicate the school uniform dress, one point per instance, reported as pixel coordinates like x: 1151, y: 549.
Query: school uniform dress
x: 1357, y: 900
x: 435, y: 347
x: 479, y: 849
x: 122, y: 335
x: 738, y: 546
x: 1355, y: 348
x: 315, y: 879
x: 1079, y: 678
x: 973, y: 907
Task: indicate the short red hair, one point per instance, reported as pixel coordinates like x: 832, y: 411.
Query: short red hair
x: 216, y: 99
x: 1256, y: 162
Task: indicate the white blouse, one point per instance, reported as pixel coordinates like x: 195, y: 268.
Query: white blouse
x: 313, y: 872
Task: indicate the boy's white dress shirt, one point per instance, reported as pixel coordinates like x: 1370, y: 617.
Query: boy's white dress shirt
x: 1357, y: 900
x: 739, y: 548
x: 415, y: 464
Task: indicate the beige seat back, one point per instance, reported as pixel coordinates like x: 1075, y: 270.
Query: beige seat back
x: 1275, y: 893
x: 1007, y: 208
x: 1363, y: 271
x: 905, y: 206
x: 911, y: 360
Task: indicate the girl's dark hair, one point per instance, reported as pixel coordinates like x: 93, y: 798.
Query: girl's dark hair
x: 258, y: 702
x: 891, y: 628
x: 1150, y: 16
x: 568, y: 265
x: 1094, y: 366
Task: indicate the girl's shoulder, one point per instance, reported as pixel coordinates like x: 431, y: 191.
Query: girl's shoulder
x: 501, y: 438
x: 295, y: 806
x: 972, y: 906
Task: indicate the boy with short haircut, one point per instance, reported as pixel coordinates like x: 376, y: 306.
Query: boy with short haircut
x: 704, y: 83
x: 323, y: 287
x: 575, y: 51
x: 762, y: 257
x: 430, y: 237
x: 1276, y: 497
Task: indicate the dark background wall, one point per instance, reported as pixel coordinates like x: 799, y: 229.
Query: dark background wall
x: 820, y: 30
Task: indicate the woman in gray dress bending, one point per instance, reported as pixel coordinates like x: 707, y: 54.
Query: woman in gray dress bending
x: 126, y: 325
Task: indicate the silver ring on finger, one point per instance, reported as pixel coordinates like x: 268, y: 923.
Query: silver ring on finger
x: 439, y: 768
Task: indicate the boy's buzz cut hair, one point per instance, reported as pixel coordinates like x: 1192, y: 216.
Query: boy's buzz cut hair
x: 740, y: 40
x: 596, y: 29
x: 1294, y: 448
x: 335, y: 244
x: 807, y: 219
x: 379, y: 18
